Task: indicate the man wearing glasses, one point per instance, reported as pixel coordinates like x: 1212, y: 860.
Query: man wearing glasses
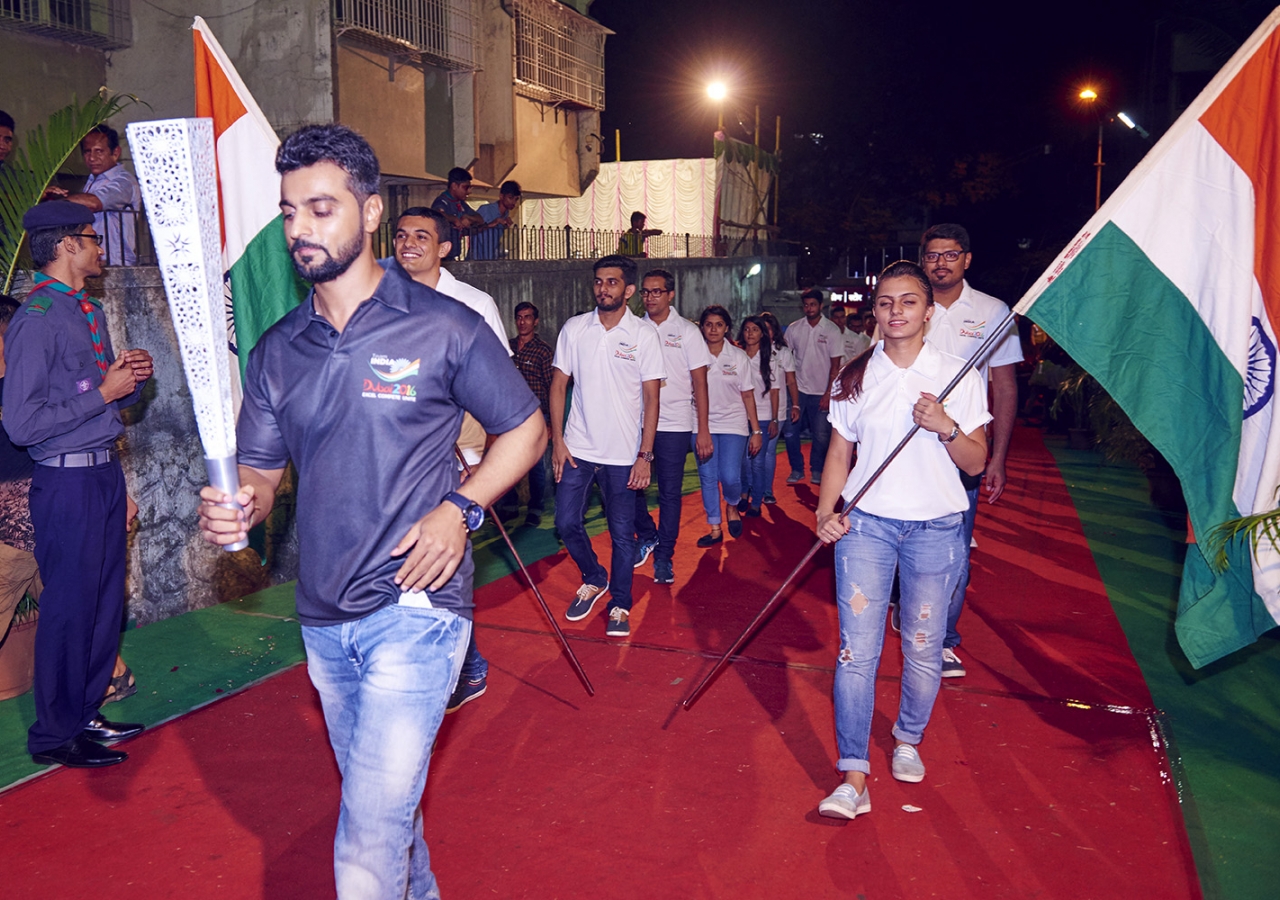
x: 962, y: 318
x: 63, y: 392
x: 683, y: 398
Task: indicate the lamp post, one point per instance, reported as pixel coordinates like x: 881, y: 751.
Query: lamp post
x: 1090, y: 96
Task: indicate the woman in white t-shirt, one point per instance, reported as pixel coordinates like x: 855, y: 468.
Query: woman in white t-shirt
x: 910, y: 519
x: 766, y: 382
x: 731, y: 419
x: 788, y: 397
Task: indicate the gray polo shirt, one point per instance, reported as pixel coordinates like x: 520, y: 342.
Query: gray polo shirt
x: 369, y: 417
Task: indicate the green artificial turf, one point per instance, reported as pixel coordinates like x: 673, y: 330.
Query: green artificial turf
x: 187, y: 661
x: 1225, y: 718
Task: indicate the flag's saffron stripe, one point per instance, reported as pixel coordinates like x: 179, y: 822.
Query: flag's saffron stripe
x: 1243, y: 119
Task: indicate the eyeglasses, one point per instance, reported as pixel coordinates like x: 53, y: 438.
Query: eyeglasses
x: 96, y: 238
x: 655, y: 292
x: 948, y: 255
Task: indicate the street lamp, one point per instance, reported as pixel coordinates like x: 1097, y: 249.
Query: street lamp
x: 717, y: 91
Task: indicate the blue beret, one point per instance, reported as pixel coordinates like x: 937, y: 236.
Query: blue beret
x: 56, y: 214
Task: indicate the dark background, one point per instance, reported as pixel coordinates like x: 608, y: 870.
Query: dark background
x: 896, y: 116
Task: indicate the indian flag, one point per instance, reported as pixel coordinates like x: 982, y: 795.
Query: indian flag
x: 1170, y: 297
x: 259, y: 273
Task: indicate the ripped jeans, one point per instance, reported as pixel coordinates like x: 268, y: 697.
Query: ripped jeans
x: 929, y: 557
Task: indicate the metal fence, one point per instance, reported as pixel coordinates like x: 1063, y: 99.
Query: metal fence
x: 548, y: 243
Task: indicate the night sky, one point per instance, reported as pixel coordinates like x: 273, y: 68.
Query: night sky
x: 927, y: 112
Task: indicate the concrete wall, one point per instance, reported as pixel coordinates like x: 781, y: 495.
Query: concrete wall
x: 562, y: 288
x: 39, y: 76
x: 546, y: 150
x: 171, y: 569
x: 281, y: 48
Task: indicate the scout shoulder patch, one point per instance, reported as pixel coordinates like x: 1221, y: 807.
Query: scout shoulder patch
x: 39, y: 306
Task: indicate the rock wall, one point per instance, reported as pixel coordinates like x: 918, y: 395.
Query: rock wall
x: 171, y: 570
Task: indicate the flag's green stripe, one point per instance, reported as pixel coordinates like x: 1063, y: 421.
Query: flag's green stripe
x: 1130, y: 327
x: 264, y: 287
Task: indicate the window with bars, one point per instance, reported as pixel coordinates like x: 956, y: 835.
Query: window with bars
x: 103, y: 24
x: 445, y: 32
x: 559, y: 54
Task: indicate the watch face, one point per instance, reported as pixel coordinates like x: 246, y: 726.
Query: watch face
x: 474, y: 516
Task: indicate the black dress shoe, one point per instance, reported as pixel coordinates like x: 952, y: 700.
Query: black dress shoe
x: 710, y: 540
x: 99, y: 729
x: 80, y: 753
x: 735, y: 528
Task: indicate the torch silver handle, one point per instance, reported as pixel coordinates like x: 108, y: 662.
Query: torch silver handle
x: 225, y: 476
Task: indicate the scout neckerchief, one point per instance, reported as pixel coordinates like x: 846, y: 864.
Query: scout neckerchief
x: 90, y: 307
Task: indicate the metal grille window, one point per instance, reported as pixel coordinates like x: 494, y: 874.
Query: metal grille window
x: 445, y: 32
x: 94, y: 23
x: 559, y: 54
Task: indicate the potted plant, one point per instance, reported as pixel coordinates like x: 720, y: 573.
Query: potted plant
x: 18, y: 650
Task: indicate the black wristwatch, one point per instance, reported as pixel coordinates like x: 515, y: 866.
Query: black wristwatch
x: 472, y: 513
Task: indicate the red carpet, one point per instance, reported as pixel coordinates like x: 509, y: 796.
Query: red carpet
x: 1044, y: 778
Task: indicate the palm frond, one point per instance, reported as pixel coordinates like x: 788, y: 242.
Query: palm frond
x: 31, y: 168
x: 1254, y: 527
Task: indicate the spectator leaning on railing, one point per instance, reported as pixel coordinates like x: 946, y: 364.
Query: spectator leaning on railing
x: 486, y: 243
x: 112, y: 193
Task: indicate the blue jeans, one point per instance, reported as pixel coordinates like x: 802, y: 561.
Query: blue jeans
x: 957, y: 598
x: 670, y: 450
x: 929, y: 557
x: 815, y: 421
x: 722, y: 470
x: 572, y: 494
x: 757, y: 471
x: 383, y: 682
x: 537, y: 488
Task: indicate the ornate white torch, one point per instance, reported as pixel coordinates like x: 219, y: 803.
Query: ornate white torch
x: 175, y: 163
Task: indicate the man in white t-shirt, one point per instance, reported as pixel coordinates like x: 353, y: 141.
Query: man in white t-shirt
x: 616, y: 364
x: 682, y: 405
x: 853, y: 341
x: 418, y: 252
x: 818, y: 346
x: 962, y: 319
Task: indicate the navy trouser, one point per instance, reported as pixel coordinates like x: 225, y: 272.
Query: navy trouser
x: 670, y: 450
x: 79, y: 519
x: 572, y: 494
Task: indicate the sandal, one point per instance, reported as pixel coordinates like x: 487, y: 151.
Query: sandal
x: 121, y: 686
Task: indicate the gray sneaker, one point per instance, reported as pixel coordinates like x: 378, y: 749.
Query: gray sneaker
x: 846, y: 803
x: 951, y: 665
x: 643, y: 549
x: 906, y: 764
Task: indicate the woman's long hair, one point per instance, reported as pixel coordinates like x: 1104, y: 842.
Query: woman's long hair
x: 779, y: 337
x: 766, y: 347
x: 849, y: 381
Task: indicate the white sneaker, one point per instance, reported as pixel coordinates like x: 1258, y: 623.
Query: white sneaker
x: 951, y: 665
x: 845, y: 803
x: 907, y: 765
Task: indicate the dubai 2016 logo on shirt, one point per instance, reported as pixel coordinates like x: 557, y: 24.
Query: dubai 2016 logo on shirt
x: 972, y: 329
x: 626, y: 352
x: 394, y: 370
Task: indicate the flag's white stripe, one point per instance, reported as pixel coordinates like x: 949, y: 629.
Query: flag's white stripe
x: 251, y: 186
x: 1193, y: 216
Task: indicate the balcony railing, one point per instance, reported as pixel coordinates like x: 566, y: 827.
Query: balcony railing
x: 104, y: 24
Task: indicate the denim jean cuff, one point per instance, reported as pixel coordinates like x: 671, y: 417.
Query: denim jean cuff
x: 906, y: 736
x: 854, y: 765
